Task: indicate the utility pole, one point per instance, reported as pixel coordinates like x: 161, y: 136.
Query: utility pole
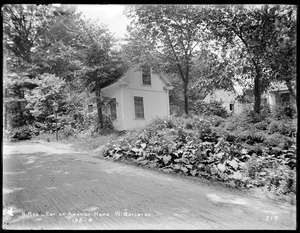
x: 55, y: 109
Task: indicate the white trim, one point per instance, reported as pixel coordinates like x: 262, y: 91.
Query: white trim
x: 168, y: 104
x: 141, y: 78
x: 168, y: 88
x: 138, y: 89
x: 116, y: 110
x: 122, y: 108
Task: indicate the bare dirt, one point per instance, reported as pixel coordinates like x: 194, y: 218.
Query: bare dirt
x: 49, y: 186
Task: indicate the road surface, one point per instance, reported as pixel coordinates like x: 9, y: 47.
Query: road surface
x: 48, y: 186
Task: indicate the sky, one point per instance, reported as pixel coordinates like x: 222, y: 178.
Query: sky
x: 109, y: 14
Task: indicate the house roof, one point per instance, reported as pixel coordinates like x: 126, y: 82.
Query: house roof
x: 124, y: 79
x: 278, y: 87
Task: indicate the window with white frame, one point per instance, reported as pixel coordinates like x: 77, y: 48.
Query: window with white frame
x: 113, y: 109
x: 146, y: 75
x: 138, y: 107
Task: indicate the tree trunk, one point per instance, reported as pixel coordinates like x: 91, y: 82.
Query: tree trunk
x: 186, y: 83
x: 186, y: 99
x: 291, y: 90
x: 5, y: 109
x: 257, y: 91
x: 99, y: 108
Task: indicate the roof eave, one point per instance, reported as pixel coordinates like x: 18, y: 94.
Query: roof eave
x: 168, y: 88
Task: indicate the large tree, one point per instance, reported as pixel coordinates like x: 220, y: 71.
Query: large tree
x: 167, y: 37
x: 282, y: 53
x: 102, y: 64
x: 43, y: 42
x: 253, y: 32
x: 22, y: 26
x: 59, y: 48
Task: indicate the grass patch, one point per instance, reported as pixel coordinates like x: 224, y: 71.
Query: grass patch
x: 81, y: 141
x: 88, y: 143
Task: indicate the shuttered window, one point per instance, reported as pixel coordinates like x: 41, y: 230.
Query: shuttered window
x: 138, y: 107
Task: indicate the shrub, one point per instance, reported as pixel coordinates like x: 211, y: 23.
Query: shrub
x: 19, y: 120
x: 216, y: 121
x: 231, y: 126
x: 284, y: 111
x: 250, y: 116
x: 23, y: 133
x: 254, y: 117
x: 214, y: 107
x: 263, y: 125
x: 107, y: 128
x: 287, y: 128
x: 67, y: 131
x: 281, y: 179
x: 238, y: 121
x: 160, y: 123
x: 273, y: 127
x: 249, y: 136
x: 284, y: 127
x: 191, y: 146
x: 253, y: 167
x: 274, y: 139
x: 279, y: 140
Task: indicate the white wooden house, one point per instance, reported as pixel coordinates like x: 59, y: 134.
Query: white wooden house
x: 137, y: 97
x: 277, y: 94
x: 228, y: 98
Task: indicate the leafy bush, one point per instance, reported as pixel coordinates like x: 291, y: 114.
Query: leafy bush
x: 216, y: 121
x: 284, y: 127
x: 281, y: 179
x: 18, y: 120
x: 159, y: 123
x: 194, y: 146
x: 279, y: 140
x: 284, y: 111
x: 214, y: 107
x: 287, y: 128
x: 253, y: 167
x: 273, y: 127
x: 253, y: 117
x: 23, y: 133
x: 263, y: 125
x: 68, y: 131
x: 200, y: 126
x: 238, y: 122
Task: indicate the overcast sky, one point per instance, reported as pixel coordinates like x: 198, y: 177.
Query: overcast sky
x: 111, y: 15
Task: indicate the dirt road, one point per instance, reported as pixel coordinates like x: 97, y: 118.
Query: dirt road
x: 48, y: 187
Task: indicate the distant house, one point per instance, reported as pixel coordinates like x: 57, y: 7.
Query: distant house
x: 137, y: 98
x: 228, y: 98
x: 277, y: 94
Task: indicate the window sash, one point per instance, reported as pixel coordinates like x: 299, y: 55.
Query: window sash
x: 113, y: 109
x: 146, y: 75
x: 138, y: 107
